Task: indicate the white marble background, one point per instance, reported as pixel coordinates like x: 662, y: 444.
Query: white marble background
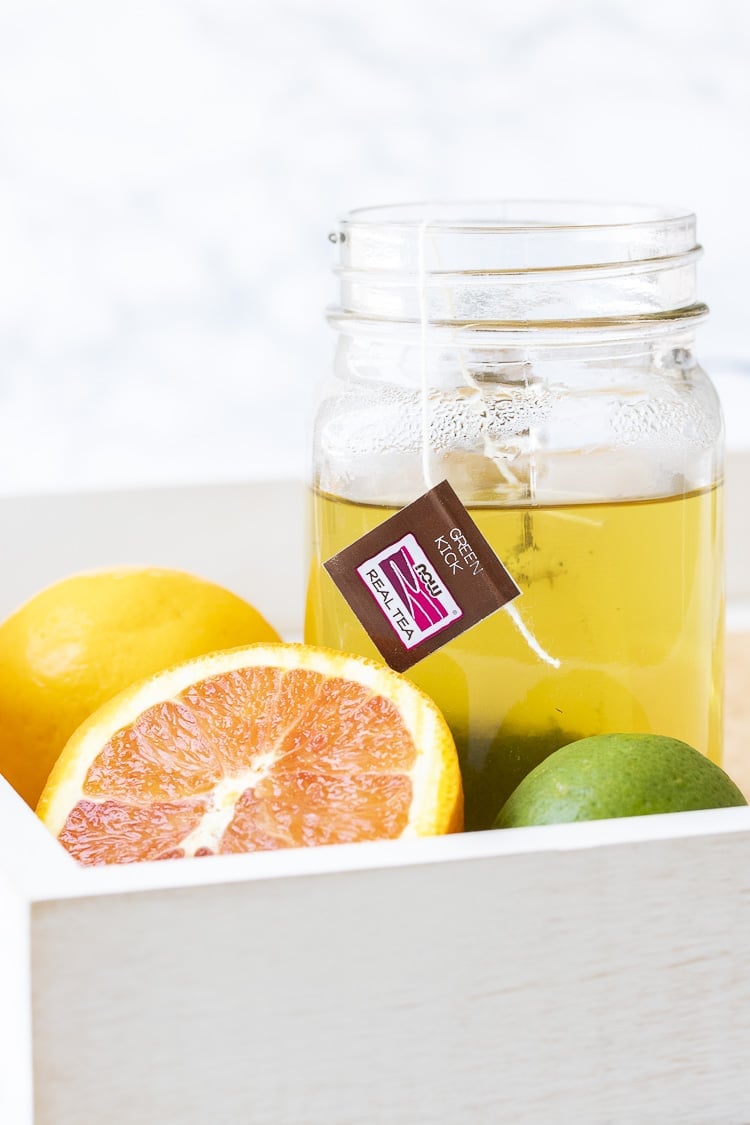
x: 169, y: 170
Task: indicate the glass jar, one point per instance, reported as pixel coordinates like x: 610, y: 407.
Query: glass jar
x: 539, y: 357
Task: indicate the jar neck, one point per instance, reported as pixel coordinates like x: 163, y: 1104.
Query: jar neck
x: 449, y: 356
x: 591, y: 342
x: 518, y: 267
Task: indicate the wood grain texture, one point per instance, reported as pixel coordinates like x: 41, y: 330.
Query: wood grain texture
x: 601, y: 986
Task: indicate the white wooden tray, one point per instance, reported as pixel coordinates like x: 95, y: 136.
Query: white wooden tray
x: 595, y: 973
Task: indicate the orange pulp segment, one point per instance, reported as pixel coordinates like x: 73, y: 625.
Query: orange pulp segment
x: 270, y: 746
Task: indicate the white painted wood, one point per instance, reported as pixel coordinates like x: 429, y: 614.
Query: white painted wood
x: 595, y: 973
x: 590, y: 985
x: 542, y: 975
x: 244, y: 536
x: 602, y: 967
x: 31, y: 860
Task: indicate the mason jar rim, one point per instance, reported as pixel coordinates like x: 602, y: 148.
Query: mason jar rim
x: 427, y: 211
x: 515, y: 262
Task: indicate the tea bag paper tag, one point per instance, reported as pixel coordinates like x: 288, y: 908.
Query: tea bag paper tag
x: 421, y: 578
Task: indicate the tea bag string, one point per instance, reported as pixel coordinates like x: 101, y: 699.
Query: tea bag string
x: 423, y: 326
x: 427, y: 474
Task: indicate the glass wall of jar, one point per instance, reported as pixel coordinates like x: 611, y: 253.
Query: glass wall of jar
x: 539, y: 357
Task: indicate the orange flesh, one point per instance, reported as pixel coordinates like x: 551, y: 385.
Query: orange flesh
x: 315, y: 759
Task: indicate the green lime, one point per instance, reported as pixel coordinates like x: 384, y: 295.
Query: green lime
x: 611, y: 775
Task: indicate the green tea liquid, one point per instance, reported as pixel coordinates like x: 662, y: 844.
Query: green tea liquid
x: 624, y: 604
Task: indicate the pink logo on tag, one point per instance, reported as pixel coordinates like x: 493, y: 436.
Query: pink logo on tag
x: 424, y: 605
x: 404, y: 585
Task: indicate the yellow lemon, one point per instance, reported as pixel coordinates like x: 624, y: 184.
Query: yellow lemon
x: 86, y: 638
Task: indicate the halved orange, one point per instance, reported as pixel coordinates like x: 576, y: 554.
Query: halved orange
x: 268, y: 746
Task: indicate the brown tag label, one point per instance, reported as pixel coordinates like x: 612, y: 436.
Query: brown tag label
x: 421, y: 578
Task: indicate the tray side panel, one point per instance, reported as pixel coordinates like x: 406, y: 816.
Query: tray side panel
x: 232, y: 534
x: 15, y: 1008
x: 737, y: 524
x: 607, y: 985
x: 31, y: 859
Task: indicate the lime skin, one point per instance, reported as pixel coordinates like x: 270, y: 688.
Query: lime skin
x: 614, y: 775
